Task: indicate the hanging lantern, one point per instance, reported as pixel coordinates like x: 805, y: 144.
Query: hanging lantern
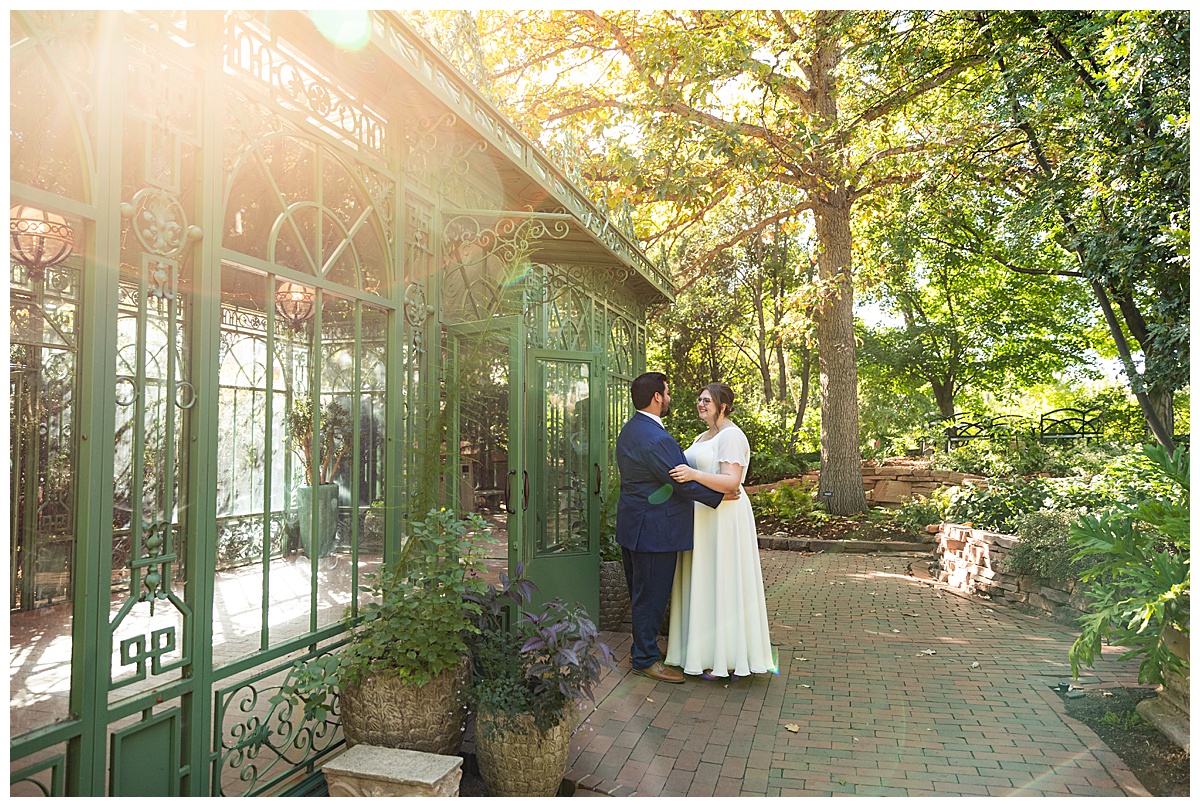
x: 39, y: 239
x: 295, y: 303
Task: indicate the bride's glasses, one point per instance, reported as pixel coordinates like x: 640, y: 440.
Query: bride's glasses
x: 704, y: 400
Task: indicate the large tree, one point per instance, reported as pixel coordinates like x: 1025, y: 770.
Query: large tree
x: 682, y: 108
x: 965, y: 322
x: 1082, y: 147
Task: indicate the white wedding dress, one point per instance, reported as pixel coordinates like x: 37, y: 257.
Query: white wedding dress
x: 718, y: 609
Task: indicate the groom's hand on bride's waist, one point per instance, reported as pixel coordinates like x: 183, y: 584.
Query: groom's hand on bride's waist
x: 731, y: 496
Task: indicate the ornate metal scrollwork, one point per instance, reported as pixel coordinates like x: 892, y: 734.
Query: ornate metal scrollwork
x: 297, y: 84
x: 511, y: 239
x: 268, y: 735
x: 159, y: 222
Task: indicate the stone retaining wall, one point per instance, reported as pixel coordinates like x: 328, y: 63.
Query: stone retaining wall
x: 891, y: 482
x: 973, y: 561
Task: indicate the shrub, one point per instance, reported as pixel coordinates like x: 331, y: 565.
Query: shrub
x: 1141, y: 581
x: 785, y: 503
x: 1044, y: 550
x: 918, y: 513
x: 996, y: 506
x: 769, y: 466
x: 550, y: 659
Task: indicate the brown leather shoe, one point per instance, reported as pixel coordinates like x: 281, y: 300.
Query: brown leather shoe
x: 660, y: 673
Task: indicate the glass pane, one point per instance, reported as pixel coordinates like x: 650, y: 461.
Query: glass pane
x: 485, y: 486
x: 146, y: 612
x: 372, y: 440
x: 44, y: 131
x: 562, y: 457
x: 42, y: 371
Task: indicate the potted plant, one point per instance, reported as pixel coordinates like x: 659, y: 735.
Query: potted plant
x: 319, y: 470
x: 526, y: 681
x: 401, y: 679
x: 614, y: 593
x: 371, y: 537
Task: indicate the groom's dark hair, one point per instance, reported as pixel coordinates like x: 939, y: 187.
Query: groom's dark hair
x: 643, y: 387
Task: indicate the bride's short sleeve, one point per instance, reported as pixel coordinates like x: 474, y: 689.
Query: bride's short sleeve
x: 733, y: 447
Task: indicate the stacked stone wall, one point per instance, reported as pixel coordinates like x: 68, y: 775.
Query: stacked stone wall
x: 891, y: 482
x: 975, y: 562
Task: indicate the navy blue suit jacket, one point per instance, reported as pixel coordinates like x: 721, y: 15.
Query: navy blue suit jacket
x: 654, y: 513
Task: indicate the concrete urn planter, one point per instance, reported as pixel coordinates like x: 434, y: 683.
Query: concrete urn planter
x: 382, y: 711
x: 520, y: 760
x: 1170, y: 712
x: 614, y: 595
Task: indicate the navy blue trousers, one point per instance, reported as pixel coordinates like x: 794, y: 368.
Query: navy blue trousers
x: 649, y: 576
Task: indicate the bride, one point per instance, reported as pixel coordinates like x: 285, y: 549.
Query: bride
x: 718, y: 609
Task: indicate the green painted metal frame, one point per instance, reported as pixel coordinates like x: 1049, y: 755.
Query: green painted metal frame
x: 572, y: 575
x: 82, y: 769
x: 512, y: 328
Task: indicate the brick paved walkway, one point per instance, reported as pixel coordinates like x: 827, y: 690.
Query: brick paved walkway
x: 874, y: 717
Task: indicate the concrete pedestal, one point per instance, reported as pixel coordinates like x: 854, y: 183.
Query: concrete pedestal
x: 368, y: 770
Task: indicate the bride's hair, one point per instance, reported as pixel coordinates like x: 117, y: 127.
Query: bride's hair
x: 722, y: 396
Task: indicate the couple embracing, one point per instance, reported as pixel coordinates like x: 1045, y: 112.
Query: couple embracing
x: 687, y: 536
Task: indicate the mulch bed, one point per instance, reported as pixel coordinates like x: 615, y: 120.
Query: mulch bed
x: 837, y: 528
x: 1161, y: 766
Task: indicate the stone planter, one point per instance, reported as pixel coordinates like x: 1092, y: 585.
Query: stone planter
x: 1170, y: 712
x: 614, y: 595
x: 371, y: 537
x: 327, y: 507
x: 382, y: 711
x: 521, y: 761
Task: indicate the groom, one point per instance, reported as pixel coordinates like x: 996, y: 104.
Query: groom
x: 654, y: 517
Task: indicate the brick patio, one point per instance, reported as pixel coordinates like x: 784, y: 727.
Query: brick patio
x: 874, y: 716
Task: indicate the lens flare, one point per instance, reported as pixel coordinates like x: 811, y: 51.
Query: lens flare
x: 349, y: 30
x: 661, y: 495
x: 515, y: 273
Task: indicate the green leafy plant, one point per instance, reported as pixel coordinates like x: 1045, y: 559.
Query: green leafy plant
x: 335, y: 438
x: 996, y: 506
x: 768, y: 465
x: 1126, y: 721
x: 609, y: 548
x: 785, y: 503
x: 1044, y: 549
x: 918, y: 513
x: 550, y: 658
x: 424, y: 606
x: 1141, y: 581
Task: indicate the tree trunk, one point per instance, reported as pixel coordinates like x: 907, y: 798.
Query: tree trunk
x: 802, y: 404
x: 1162, y: 401
x: 943, y: 394
x: 841, y: 462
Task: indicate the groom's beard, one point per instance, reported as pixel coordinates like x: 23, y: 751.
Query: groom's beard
x: 666, y: 410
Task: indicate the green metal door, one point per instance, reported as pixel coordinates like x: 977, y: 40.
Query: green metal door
x: 485, y: 473
x: 565, y: 403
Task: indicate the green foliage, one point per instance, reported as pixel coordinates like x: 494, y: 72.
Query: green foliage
x: 549, y: 660
x: 1043, y: 550
x: 1141, y: 581
x: 1128, y: 720
x: 424, y: 606
x: 918, y: 513
x: 997, y: 506
x: 767, y: 466
x: 1025, y: 456
x: 333, y: 442
x: 609, y: 548
x: 785, y: 503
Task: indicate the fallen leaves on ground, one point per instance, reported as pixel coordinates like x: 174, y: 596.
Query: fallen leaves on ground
x: 792, y: 727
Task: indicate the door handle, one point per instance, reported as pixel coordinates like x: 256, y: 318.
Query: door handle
x: 508, y: 492
x: 596, y: 465
x: 525, y: 504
